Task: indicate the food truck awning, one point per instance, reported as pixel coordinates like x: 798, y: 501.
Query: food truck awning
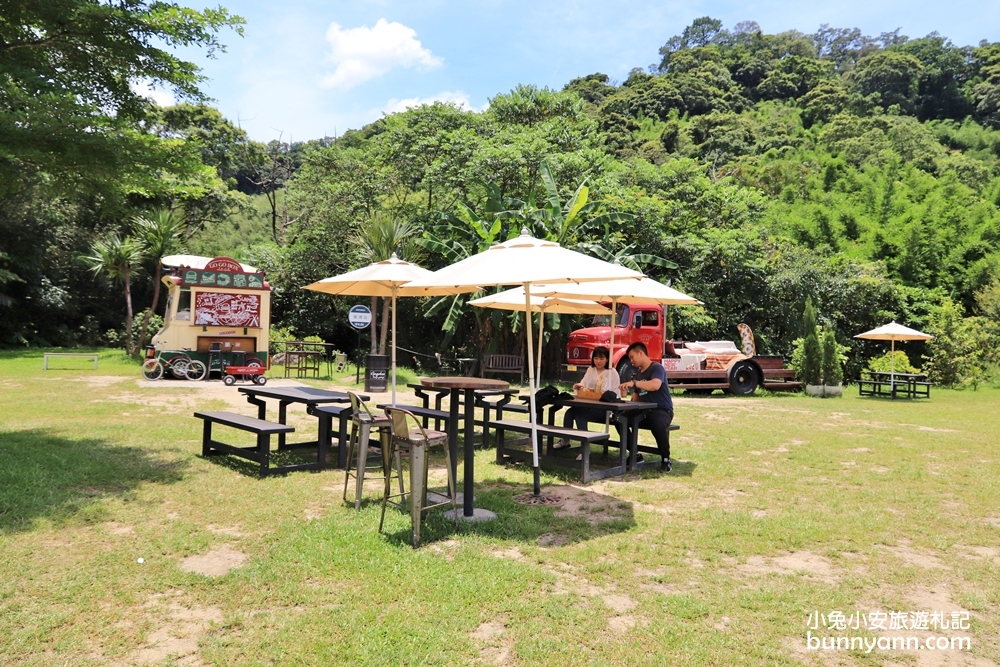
x: 197, y: 262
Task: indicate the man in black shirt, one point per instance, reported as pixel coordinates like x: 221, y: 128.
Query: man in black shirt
x: 649, y: 384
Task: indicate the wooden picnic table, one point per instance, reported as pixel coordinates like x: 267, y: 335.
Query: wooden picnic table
x: 311, y: 398
x: 895, y: 385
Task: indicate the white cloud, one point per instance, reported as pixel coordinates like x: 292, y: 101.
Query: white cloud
x: 457, y: 97
x: 164, y: 98
x: 367, y: 53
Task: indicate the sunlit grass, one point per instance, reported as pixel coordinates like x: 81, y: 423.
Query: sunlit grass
x: 778, y: 506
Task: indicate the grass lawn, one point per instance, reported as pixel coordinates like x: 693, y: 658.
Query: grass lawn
x: 780, y: 511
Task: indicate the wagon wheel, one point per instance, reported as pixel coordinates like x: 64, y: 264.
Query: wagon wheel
x: 152, y: 369
x: 229, y: 380
x: 743, y: 379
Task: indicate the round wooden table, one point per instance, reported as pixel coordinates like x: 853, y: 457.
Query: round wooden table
x: 469, y: 385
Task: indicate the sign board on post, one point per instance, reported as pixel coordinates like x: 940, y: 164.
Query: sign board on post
x: 359, y: 317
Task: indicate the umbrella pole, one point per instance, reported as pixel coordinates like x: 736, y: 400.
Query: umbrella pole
x: 538, y: 366
x: 531, y: 392
x: 394, y: 288
x: 614, y: 311
x: 892, y: 369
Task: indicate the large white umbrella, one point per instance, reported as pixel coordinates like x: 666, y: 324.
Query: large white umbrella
x: 385, y: 279
x: 635, y: 290
x: 513, y: 299
x: 894, y: 332
x: 524, y: 261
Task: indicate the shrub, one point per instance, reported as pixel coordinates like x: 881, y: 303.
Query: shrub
x: 884, y: 364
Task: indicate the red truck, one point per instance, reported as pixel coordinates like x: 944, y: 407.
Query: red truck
x: 698, y: 368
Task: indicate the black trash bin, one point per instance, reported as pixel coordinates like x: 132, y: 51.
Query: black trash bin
x: 377, y: 372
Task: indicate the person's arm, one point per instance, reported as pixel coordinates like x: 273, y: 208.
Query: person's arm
x: 589, y: 380
x: 653, y: 383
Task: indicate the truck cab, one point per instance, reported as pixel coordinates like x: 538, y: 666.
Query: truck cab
x: 634, y: 323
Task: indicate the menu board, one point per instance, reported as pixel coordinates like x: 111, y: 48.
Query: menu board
x: 222, y: 272
x: 227, y: 310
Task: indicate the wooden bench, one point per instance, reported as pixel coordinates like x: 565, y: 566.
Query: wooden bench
x: 46, y: 355
x: 650, y: 449
x: 326, y: 414
x: 261, y: 452
x: 504, y: 363
x: 585, y: 438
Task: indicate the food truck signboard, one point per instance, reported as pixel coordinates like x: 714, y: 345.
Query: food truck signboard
x: 222, y: 272
x: 227, y: 310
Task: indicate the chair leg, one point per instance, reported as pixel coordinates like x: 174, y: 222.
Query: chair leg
x: 362, y: 462
x: 388, y: 483
x: 418, y: 487
x: 350, y: 453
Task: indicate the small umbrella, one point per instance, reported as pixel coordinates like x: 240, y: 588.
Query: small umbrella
x: 385, y: 279
x: 894, y: 332
x: 636, y: 290
x: 513, y: 299
x: 524, y: 261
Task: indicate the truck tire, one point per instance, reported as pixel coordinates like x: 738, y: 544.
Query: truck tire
x: 744, y: 377
x: 625, y: 369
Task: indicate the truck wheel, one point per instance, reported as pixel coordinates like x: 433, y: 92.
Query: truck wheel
x: 625, y: 369
x: 743, y: 379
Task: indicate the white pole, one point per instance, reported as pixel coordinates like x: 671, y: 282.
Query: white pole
x: 538, y: 366
x: 394, y: 290
x: 531, y: 391
x: 892, y: 368
x: 611, y: 352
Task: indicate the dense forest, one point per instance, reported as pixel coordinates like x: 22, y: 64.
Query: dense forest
x: 752, y: 170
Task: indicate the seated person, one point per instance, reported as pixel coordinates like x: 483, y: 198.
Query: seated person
x: 600, y: 378
x: 649, y: 384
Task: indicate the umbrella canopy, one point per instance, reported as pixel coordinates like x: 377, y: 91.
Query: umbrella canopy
x: 635, y: 290
x: 513, y: 299
x: 894, y: 332
x: 385, y: 279
x: 524, y: 261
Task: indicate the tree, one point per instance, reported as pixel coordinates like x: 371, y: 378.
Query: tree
x: 115, y: 256
x: 68, y: 69
x: 377, y: 239
x: 812, y: 356
x: 160, y: 235
x: 891, y: 74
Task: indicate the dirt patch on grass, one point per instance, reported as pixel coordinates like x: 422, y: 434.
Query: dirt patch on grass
x: 215, y: 563
x: 916, y: 557
x: 493, y: 643
x: 593, y: 506
x: 179, y: 627
x: 806, y: 563
x: 229, y: 531
x: 115, y: 528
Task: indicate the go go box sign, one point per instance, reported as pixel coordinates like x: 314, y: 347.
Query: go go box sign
x: 359, y: 317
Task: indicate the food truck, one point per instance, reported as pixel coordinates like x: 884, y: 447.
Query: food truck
x: 218, y: 314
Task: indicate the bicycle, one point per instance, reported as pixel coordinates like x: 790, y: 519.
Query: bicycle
x: 180, y: 366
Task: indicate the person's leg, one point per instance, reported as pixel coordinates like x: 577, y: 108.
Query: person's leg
x: 658, y: 421
x: 563, y: 443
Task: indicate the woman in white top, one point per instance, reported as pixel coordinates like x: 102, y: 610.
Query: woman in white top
x: 600, y: 377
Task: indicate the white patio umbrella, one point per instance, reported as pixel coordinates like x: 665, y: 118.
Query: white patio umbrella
x: 524, y: 261
x: 385, y: 279
x: 635, y: 290
x: 513, y: 299
x: 894, y: 332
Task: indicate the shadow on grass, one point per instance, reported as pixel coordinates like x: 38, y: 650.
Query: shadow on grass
x: 46, y: 476
x: 585, y: 515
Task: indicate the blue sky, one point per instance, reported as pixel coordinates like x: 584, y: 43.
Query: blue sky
x: 307, y: 68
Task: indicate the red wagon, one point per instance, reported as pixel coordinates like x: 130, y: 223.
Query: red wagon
x: 233, y: 374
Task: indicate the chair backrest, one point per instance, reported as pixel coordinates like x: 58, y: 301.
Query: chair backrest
x: 359, y: 409
x: 746, y: 337
x: 400, y: 428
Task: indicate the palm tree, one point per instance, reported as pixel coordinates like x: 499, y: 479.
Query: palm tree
x: 160, y: 235
x: 377, y: 239
x: 115, y: 256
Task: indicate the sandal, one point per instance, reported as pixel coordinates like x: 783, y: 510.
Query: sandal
x: 562, y: 443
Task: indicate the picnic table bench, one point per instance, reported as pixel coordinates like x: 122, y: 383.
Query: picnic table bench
x: 504, y: 363
x: 895, y: 385
x: 46, y: 355
x: 585, y: 438
x: 261, y: 452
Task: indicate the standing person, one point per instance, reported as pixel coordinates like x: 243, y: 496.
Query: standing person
x: 649, y: 384
x: 599, y: 377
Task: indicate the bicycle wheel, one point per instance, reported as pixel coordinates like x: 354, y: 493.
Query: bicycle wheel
x: 196, y: 370
x: 178, y: 367
x: 152, y: 369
